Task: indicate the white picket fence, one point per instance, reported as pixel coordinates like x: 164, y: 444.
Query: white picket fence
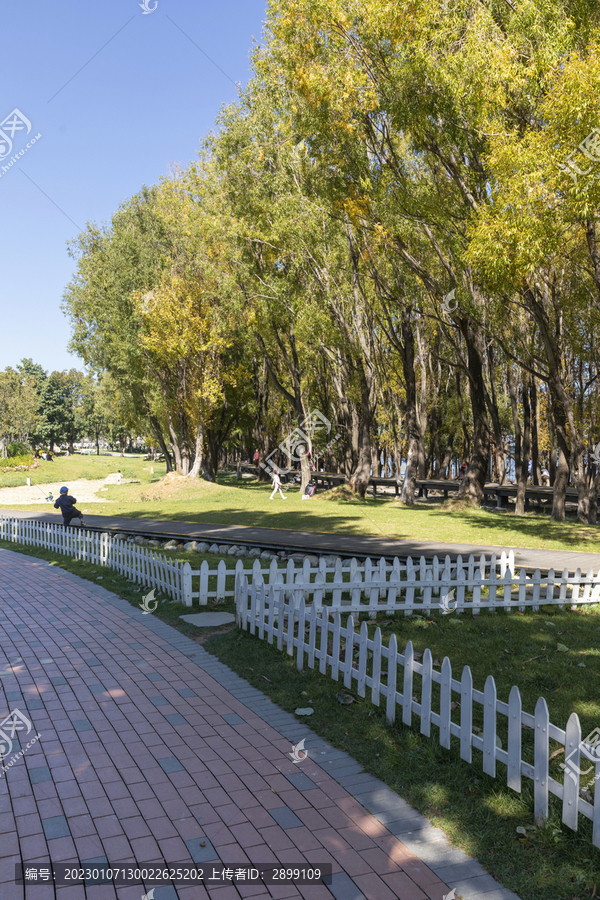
x: 430, y: 588
x: 141, y: 565
x: 316, y: 634
x: 358, y: 577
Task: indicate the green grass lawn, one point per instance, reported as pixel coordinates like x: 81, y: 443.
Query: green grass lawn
x: 65, y: 468
x: 247, y: 503
x: 479, y: 814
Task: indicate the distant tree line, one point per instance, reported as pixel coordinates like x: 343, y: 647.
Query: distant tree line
x: 40, y: 409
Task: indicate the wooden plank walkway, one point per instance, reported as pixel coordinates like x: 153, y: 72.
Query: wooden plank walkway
x: 322, y: 543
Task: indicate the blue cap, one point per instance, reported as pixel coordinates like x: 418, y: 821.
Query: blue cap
x: 64, y: 490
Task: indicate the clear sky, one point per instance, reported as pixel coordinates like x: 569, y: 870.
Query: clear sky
x: 142, y: 104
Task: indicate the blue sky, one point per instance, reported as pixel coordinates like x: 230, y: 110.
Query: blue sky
x: 141, y: 105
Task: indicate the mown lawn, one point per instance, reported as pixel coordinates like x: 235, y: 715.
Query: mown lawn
x: 247, y: 503
x: 479, y: 813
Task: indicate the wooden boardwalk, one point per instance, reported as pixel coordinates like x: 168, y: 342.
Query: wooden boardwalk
x: 323, y: 543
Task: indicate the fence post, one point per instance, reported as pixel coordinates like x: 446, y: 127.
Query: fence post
x: 186, y: 583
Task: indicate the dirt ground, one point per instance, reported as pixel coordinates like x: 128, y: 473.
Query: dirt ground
x: 83, y: 490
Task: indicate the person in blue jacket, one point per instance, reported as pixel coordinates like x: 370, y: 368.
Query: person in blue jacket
x: 66, y: 504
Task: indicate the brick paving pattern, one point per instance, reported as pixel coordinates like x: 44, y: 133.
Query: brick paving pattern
x: 153, y: 752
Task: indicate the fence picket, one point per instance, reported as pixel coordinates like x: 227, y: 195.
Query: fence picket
x: 540, y: 764
x: 349, y: 652
x: 392, y: 674
x: 489, y: 727
x: 376, y: 669
x: 466, y: 714
x: 426, y: 692
x: 445, y: 703
x: 570, y: 807
x: 513, y: 779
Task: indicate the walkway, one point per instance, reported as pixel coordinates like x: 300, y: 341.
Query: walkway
x: 151, y: 752
x: 324, y: 542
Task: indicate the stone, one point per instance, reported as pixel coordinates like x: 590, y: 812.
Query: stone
x: 281, y: 554
x: 313, y: 560
x: 170, y: 545
x: 138, y: 539
x: 213, y: 548
x: 154, y: 543
x: 209, y: 620
x: 346, y: 563
x: 265, y: 554
x: 241, y: 551
x: 202, y: 547
x: 254, y: 553
x: 191, y: 545
x: 331, y: 561
x: 224, y: 548
x: 232, y: 551
x: 119, y: 537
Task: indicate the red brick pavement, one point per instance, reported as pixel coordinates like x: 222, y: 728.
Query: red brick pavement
x: 129, y: 771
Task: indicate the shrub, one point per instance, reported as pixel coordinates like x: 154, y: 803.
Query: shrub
x: 14, y: 462
x: 18, y: 448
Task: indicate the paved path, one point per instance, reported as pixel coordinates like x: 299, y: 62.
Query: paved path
x: 323, y: 542
x: 153, y: 752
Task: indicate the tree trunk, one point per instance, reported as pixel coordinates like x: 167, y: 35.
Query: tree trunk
x: 413, y: 432
x: 444, y: 471
x: 359, y: 479
x: 499, y: 461
x: 472, y: 486
x: 553, y: 454
x: 466, y: 438
x: 514, y: 406
x: 524, y: 468
x: 198, y: 451
x: 535, y: 452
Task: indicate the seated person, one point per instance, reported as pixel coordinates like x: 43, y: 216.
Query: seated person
x: 66, y: 504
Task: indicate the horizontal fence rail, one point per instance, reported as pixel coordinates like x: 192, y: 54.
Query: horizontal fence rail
x: 140, y: 564
x: 315, y: 635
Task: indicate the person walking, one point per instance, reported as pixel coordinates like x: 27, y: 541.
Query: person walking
x: 276, y: 482
x: 66, y: 504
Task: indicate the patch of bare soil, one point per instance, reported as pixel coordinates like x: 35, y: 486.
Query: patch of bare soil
x: 175, y: 487
x: 343, y: 493
x: 209, y: 632
x: 83, y: 490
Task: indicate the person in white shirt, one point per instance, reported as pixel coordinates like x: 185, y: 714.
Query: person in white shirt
x: 276, y: 482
